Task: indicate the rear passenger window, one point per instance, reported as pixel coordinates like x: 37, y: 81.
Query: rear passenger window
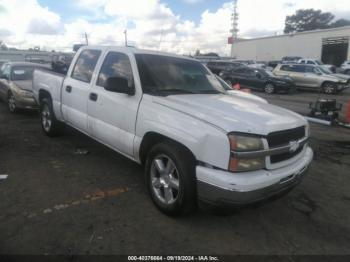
x: 298, y: 68
x: 286, y: 68
x: 85, y: 65
x: 115, y: 65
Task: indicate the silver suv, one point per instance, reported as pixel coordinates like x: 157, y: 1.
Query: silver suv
x: 310, y: 77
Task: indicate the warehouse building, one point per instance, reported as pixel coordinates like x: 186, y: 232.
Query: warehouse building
x: 329, y: 45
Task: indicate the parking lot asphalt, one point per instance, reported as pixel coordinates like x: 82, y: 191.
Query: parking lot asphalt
x: 71, y: 195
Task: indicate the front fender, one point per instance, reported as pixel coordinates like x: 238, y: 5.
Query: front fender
x: 207, y: 143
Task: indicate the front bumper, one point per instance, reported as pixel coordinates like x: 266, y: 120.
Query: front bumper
x: 225, y: 188
x: 342, y: 87
x: 28, y: 103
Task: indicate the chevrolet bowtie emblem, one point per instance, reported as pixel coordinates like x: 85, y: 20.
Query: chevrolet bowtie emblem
x: 293, y: 146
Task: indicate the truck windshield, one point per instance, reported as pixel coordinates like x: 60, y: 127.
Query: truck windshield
x: 165, y: 75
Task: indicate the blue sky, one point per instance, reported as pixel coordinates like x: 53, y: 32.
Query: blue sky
x: 179, y: 26
x: 188, y: 10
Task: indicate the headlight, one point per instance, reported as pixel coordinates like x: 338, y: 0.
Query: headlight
x: 239, y: 144
x: 26, y: 93
x: 307, y: 130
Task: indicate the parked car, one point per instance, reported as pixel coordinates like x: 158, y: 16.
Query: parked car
x: 310, y: 78
x: 239, y: 93
x: 258, y: 79
x: 16, y: 85
x: 316, y: 63
x: 171, y: 114
x: 218, y: 66
x: 273, y: 64
x: 253, y: 64
x: 326, y: 71
x: 346, y: 67
x: 290, y: 59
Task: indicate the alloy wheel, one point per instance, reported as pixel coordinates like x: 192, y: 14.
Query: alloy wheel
x: 165, y: 179
x: 329, y: 89
x: 12, y: 103
x: 269, y: 88
x: 46, y: 118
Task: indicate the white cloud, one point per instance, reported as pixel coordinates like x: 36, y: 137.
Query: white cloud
x: 258, y: 16
x: 192, y: 1
x: 154, y: 24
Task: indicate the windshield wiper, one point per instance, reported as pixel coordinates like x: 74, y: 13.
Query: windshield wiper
x: 209, y: 92
x: 174, y: 90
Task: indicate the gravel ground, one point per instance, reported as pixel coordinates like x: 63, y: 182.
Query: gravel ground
x: 71, y: 195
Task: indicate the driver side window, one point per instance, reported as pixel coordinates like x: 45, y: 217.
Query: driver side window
x: 116, y: 65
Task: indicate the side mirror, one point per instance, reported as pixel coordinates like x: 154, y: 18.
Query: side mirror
x: 119, y: 85
x: 258, y: 75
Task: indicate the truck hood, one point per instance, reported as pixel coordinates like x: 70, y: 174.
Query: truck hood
x: 231, y: 113
x: 24, y: 84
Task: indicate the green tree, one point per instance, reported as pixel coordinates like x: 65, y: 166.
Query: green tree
x: 306, y: 20
x: 340, y: 23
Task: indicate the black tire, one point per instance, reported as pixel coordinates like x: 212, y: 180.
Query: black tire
x: 11, y: 103
x: 184, y: 199
x: 269, y: 88
x: 329, y: 88
x: 50, y: 125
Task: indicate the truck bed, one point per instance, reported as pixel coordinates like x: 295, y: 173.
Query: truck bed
x: 52, y: 83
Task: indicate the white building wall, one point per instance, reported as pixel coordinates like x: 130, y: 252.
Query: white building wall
x: 306, y: 44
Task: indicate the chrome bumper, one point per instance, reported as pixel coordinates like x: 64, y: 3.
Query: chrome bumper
x: 258, y: 186
x: 26, y: 103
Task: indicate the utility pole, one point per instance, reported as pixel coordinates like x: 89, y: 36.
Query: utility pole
x: 86, y: 39
x: 160, y: 39
x: 234, y: 29
x: 126, y: 37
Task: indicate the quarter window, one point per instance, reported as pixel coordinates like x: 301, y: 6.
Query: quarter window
x: 85, y: 65
x: 286, y: 68
x: 115, y: 65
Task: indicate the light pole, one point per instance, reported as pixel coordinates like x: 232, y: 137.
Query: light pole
x: 126, y: 37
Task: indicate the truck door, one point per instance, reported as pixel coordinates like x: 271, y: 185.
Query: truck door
x: 112, y: 116
x: 76, y: 89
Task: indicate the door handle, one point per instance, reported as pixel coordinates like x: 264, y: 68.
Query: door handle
x: 93, y: 97
x: 68, y: 89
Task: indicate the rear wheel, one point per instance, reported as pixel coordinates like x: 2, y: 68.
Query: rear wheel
x: 329, y: 88
x: 11, y: 103
x: 170, y: 179
x: 50, y: 125
x: 269, y: 88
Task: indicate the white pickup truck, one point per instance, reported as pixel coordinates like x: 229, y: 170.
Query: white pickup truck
x: 171, y: 114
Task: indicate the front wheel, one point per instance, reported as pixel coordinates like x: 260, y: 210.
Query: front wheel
x: 170, y: 179
x: 269, y: 88
x: 11, y: 103
x: 329, y: 88
x: 50, y: 125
